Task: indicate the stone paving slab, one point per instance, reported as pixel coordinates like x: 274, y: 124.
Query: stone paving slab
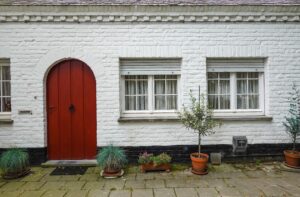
x: 142, y: 193
x: 163, y: 192
x: 120, y: 193
x: 183, y: 192
x: 98, y: 193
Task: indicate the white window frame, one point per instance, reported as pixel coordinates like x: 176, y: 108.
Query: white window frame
x: 151, y: 112
x: 233, y: 111
x: 4, y: 63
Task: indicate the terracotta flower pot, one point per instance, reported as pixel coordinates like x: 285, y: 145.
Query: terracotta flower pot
x: 199, y: 164
x: 151, y: 167
x: 292, y: 158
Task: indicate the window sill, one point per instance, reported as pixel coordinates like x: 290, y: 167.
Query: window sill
x: 6, y: 121
x: 244, y: 118
x: 148, y: 119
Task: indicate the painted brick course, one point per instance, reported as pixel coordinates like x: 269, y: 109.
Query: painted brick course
x: 34, y: 47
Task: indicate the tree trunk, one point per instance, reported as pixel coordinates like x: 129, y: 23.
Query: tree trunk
x: 199, y: 144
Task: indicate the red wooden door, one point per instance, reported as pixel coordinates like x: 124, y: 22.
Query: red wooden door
x: 71, y: 111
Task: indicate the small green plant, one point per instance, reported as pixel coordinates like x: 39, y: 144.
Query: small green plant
x: 112, y: 158
x: 292, y: 120
x: 198, y: 117
x: 14, y: 161
x: 147, y: 158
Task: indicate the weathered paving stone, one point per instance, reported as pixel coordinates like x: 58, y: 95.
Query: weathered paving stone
x: 164, y: 192
x: 70, y: 178
x: 89, y: 177
x: 51, y: 178
x: 216, y: 183
x: 11, y: 186
x: 120, y: 193
x: 142, y: 193
x: 163, y: 175
x: 155, y: 184
x: 205, y: 192
x: 133, y: 184
x: 78, y: 193
x: 130, y: 176
x: 114, y: 184
x: 52, y: 185
x: 177, y: 183
x: 73, y: 185
x: 255, y: 174
x: 293, y: 190
x: 93, y: 185
x: 228, y: 192
x: 31, y: 186
x: 274, y: 191
x: 54, y: 193
x: 145, y: 176
x: 32, y: 193
x: 2, y: 183
x: 98, y: 193
x: 91, y: 170
x: 244, y: 187
x: 11, y: 194
x: 35, y: 176
x: 183, y: 192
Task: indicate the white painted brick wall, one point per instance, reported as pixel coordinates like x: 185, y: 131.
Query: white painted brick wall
x: 33, y: 48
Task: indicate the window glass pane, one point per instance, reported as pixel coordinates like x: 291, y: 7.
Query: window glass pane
x: 142, y: 87
x: 212, y: 87
x: 253, y: 75
x: 253, y: 86
x: 225, y: 102
x: 6, y: 105
x: 5, y: 73
x: 159, y: 87
x: 212, y: 75
x: 130, y: 102
x: 141, y: 77
x: 160, y: 102
x: 142, y: 103
x: 253, y: 102
x: 224, y: 87
x: 225, y: 75
x: 130, y: 88
x: 241, y: 75
x: 171, y: 76
x: 172, y: 87
x: 242, y: 102
x: 5, y: 88
x: 213, y: 101
x: 130, y: 77
x: 242, y: 86
x: 172, y: 102
x: 160, y: 77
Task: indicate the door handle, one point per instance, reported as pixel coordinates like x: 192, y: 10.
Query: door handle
x: 71, y: 108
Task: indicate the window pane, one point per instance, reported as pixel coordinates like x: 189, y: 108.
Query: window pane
x: 253, y: 86
x: 242, y: 102
x: 6, y: 105
x: 171, y: 76
x: 224, y: 87
x: 213, y: 101
x: 253, y: 102
x: 241, y: 75
x: 160, y: 77
x: 212, y: 87
x: 159, y: 87
x: 142, y: 103
x: 225, y: 75
x: 253, y: 75
x: 141, y: 77
x: 130, y: 88
x: 5, y: 88
x: 212, y: 75
x: 225, y: 102
x: 5, y: 73
x: 172, y: 87
x: 242, y: 86
x: 142, y: 87
x: 160, y: 102
x: 130, y: 103
x: 130, y: 77
x: 171, y: 102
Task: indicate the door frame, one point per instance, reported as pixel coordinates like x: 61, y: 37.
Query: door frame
x: 45, y: 101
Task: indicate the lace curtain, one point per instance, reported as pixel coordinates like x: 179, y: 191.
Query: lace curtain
x: 5, y: 92
x: 165, y: 90
x: 136, y: 91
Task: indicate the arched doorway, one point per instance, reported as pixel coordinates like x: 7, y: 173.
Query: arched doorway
x: 71, y: 111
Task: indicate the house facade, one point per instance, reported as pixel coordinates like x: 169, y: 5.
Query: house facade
x: 77, y: 76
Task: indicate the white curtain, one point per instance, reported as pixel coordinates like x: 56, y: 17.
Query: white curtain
x: 5, y: 94
x: 224, y: 94
x: 165, y: 90
x: 160, y: 91
x: 248, y: 96
x: 136, y: 90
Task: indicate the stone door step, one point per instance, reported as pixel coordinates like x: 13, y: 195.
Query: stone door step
x: 54, y: 163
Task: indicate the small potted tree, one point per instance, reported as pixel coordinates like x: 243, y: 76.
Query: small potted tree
x: 112, y: 160
x: 198, y: 117
x: 292, y: 125
x: 14, y: 163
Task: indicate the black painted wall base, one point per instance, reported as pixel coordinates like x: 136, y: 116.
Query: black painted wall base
x: 181, y: 153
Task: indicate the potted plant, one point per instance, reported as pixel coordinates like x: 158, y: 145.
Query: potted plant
x: 112, y: 160
x: 292, y: 125
x: 149, y: 162
x: 14, y: 163
x: 198, y: 117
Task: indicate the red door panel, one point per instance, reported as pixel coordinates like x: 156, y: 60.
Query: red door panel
x: 71, y: 111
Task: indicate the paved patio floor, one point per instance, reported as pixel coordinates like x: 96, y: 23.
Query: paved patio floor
x: 225, y: 180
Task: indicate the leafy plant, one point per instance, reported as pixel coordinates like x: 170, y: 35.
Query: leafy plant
x: 292, y: 120
x: 198, y: 117
x: 163, y: 158
x: 14, y: 160
x: 112, y: 157
x: 145, y: 158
